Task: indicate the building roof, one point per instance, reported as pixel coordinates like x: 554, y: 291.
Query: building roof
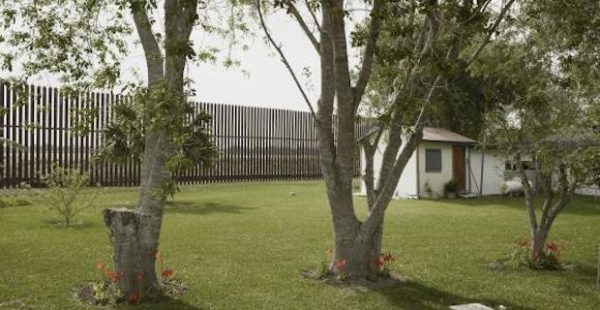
x: 436, y: 134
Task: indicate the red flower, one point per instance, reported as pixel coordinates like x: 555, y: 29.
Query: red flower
x: 524, y: 243
x: 552, y: 247
x: 388, y: 257
x: 380, y: 262
x: 139, y: 276
x: 133, y: 297
x: 167, y: 273
x: 340, y: 264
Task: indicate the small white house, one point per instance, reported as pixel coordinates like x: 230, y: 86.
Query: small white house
x: 444, y: 155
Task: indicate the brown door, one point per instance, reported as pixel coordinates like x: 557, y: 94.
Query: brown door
x: 458, y: 165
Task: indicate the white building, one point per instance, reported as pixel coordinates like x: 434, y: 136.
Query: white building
x: 441, y: 156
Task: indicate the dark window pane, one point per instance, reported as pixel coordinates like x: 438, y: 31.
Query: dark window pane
x: 433, y: 160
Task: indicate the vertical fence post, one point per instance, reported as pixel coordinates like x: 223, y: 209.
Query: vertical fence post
x: 254, y: 143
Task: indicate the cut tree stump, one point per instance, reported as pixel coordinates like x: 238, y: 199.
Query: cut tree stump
x: 133, y: 264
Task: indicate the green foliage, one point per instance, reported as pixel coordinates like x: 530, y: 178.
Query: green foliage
x: 158, y: 109
x: 521, y: 257
x: 451, y: 186
x: 402, y: 68
x: 67, y: 194
x: 80, y: 41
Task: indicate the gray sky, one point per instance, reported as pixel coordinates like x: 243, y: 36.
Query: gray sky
x: 266, y: 82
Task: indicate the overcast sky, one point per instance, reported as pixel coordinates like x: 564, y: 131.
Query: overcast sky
x: 261, y: 80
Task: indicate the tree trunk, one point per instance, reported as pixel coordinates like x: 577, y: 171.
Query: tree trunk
x: 538, y: 241
x: 359, y: 255
x: 133, y: 259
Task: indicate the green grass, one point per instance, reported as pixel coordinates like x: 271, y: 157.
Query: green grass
x: 241, y: 246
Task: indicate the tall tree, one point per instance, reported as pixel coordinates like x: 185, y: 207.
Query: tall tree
x: 83, y: 42
x: 358, y: 242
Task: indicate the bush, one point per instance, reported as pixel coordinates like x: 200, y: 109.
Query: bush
x: 521, y: 256
x: 66, y: 192
x: 451, y: 186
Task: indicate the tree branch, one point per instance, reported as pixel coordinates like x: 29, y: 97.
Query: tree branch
x: 368, y: 55
x: 528, y: 194
x: 386, y: 192
x: 488, y: 37
x: 152, y: 52
x: 284, y: 60
x: 294, y: 11
x: 313, y: 15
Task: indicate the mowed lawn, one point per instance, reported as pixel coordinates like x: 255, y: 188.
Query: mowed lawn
x: 242, y: 246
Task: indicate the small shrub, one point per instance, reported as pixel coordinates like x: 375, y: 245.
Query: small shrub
x: 106, y: 291
x: 66, y: 192
x: 451, y: 186
x: 521, y: 256
x: 323, y: 270
x: 4, y: 203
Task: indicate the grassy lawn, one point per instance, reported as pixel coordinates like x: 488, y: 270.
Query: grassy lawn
x: 241, y: 246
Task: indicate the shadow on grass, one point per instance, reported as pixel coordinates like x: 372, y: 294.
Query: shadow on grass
x: 584, y: 274
x: 188, y: 207
x: 581, y: 205
x: 76, y: 225
x: 166, y: 303
x: 414, y: 295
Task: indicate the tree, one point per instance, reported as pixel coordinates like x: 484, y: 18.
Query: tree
x: 83, y: 42
x: 549, y: 113
x: 358, y: 243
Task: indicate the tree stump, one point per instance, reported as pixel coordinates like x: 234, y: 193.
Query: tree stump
x: 133, y: 259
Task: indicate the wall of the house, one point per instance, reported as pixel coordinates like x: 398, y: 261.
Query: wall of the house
x: 593, y: 190
x: 436, y: 179
x: 493, y: 171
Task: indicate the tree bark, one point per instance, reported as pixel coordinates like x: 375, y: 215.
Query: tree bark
x: 135, y: 234
x: 134, y: 269
x: 360, y: 254
x: 538, y: 241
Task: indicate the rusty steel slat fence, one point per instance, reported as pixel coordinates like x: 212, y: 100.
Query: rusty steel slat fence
x: 254, y: 143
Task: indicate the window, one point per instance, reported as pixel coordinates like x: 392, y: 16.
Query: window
x: 433, y: 160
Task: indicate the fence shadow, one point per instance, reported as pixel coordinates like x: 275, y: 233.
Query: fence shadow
x: 414, y: 295
x: 189, y: 207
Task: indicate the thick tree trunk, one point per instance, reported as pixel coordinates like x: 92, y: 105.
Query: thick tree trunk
x: 133, y: 263
x: 357, y: 256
